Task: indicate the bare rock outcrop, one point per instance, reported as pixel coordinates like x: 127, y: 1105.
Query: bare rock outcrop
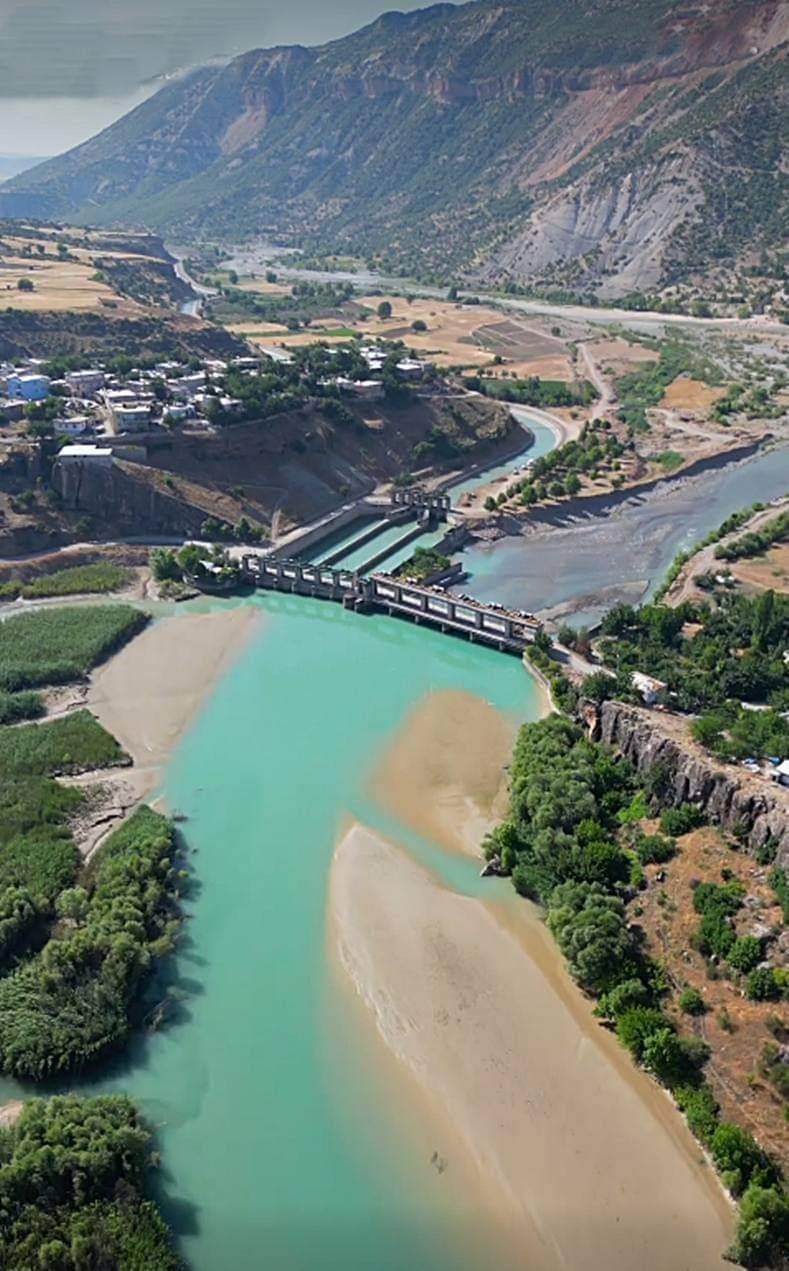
x: 734, y: 803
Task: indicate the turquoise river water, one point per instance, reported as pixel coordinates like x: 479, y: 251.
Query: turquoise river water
x: 284, y: 1142
x: 282, y: 1146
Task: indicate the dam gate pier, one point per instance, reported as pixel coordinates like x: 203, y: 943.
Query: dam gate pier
x: 503, y: 629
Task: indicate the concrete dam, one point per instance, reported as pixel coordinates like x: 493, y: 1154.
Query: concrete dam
x: 503, y: 629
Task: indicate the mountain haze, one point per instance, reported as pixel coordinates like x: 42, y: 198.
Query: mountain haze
x: 599, y: 144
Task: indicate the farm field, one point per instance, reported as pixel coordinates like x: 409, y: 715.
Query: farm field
x: 689, y: 394
x: 58, y: 285
x: 467, y: 336
x: 761, y: 573
x: 56, y: 646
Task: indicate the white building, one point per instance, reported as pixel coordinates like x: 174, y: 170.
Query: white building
x: 186, y: 387
x: 365, y: 390
x: 100, y: 455
x: 113, y: 397
x: 651, y: 690
x: 781, y: 773
x: 73, y: 427
x: 178, y: 411
x: 85, y: 383
x: 411, y: 369
x: 277, y: 355
x: 131, y: 418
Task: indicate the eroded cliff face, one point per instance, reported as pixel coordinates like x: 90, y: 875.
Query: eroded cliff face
x: 754, y: 811
x: 119, y: 502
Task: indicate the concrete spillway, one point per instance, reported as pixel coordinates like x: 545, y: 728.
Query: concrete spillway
x: 508, y: 631
x: 335, y: 545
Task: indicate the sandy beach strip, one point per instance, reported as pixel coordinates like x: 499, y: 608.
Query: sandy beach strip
x: 584, y: 1165
x: 148, y: 693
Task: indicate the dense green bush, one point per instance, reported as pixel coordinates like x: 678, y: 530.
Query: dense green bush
x: 691, y: 1002
x: 533, y: 391
x: 654, y: 849
x: 740, y: 1159
x: 569, y: 797
x: 73, y: 743
x: 55, y: 646
x: 700, y: 1107
x: 15, y: 707
x: 733, y: 733
x: 756, y: 542
x: 766, y: 984
x: 590, y: 928
x: 73, y: 1001
x: 42, y: 863
x: 642, y: 389
x: 745, y: 953
x: 78, y: 580
x: 681, y: 820
x: 72, y: 1189
x: 717, y: 904
x: 763, y: 1227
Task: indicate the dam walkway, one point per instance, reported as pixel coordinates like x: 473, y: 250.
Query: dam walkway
x: 503, y: 629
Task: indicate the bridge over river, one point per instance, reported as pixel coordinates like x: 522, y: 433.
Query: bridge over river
x: 503, y: 629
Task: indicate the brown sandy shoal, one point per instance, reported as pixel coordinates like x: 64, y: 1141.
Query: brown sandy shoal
x: 443, y: 774
x: 147, y: 694
x: 583, y: 1162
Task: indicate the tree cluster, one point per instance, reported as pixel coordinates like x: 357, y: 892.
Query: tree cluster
x: 72, y: 1189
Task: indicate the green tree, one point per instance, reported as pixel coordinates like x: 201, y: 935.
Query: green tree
x: 384, y: 310
x: 691, y: 1002
x: 164, y: 565
x: 190, y: 558
x: 745, y: 953
x: 739, y: 1158
x: 763, y: 620
x: 590, y: 928
x: 762, y: 1227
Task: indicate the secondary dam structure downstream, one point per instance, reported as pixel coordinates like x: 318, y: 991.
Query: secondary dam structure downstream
x: 506, y: 630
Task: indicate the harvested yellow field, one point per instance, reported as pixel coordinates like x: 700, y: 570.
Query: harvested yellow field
x: 689, y: 394
x: 467, y: 336
x: 57, y: 285
x: 260, y: 330
x: 259, y: 286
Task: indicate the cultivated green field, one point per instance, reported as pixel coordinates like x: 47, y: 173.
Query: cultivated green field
x: 75, y: 743
x: 77, y: 580
x: 56, y: 646
x: 17, y: 706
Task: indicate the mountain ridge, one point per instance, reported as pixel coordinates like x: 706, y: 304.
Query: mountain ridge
x: 502, y: 140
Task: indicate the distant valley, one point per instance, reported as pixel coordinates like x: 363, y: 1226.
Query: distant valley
x: 603, y: 149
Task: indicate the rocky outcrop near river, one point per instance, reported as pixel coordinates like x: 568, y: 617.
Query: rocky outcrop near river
x: 743, y: 806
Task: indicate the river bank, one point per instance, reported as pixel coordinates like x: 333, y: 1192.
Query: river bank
x: 484, y: 1018
x: 618, y: 553
x: 151, y: 690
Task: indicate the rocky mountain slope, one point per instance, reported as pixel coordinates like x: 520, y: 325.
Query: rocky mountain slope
x: 593, y: 144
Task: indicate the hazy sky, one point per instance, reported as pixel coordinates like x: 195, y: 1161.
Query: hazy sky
x: 69, y: 67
